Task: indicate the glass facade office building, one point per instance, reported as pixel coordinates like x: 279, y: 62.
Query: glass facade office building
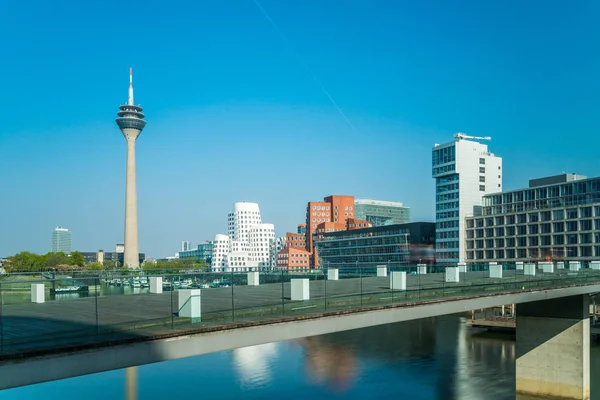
x: 61, y: 240
x: 380, y: 213
x: 204, y: 252
x: 391, y: 244
x: 555, y: 218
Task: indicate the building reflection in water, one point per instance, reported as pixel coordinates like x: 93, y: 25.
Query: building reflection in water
x: 329, y: 364
x: 254, y: 365
x: 461, y: 363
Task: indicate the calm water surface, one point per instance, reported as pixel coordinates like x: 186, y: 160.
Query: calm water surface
x: 427, y: 359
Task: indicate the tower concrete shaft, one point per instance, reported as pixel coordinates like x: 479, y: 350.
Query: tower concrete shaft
x: 131, y: 123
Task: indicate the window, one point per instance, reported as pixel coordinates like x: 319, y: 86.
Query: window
x: 572, y: 213
x: 585, y: 224
x: 482, y: 161
x: 482, y: 170
x: 482, y: 179
x: 482, y: 188
x: 559, y: 214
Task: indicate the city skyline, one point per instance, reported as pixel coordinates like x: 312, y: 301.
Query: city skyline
x: 242, y: 104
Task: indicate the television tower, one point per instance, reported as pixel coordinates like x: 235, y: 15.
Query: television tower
x: 131, y: 122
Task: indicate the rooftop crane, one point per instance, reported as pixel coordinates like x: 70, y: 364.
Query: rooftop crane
x: 462, y: 136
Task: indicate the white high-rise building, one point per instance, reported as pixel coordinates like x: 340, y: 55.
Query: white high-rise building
x: 464, y: 171
x: 185, y: 245
x: 61, y: 240
x: 249, y: 245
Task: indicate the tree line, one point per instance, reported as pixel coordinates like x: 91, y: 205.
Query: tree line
x: 30, y: 262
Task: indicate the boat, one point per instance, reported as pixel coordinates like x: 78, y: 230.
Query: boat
x: 69, y: 289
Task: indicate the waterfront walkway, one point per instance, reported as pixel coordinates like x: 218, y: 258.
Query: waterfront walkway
x: 29, y: 328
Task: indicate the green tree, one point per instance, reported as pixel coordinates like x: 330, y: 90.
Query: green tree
x: 95, y: 266
x: 24, y: 262
x: 110, y: 264
x: 52, y: 260
x: 77, y: 258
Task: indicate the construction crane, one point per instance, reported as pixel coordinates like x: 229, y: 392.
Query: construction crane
x: 462, y: 136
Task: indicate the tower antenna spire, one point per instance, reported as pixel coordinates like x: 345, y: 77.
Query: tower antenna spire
x: 130, y: 98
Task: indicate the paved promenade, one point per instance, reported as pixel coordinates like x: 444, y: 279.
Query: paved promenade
x: 105, y: 318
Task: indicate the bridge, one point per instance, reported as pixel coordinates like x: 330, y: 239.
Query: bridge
x: 64, y: 338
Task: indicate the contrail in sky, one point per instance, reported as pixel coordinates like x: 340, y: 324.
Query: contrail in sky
x: 285, y: 39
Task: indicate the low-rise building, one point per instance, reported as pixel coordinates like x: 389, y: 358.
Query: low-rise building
x: 399, y: 244
x: 555, y: 218
x: 293, y: 259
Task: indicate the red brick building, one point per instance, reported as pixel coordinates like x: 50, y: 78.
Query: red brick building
x: 293, y: 259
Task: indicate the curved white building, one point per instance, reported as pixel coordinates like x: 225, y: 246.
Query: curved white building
x: 261, y: 239
x: 249, y: 245
x: 221, y: 247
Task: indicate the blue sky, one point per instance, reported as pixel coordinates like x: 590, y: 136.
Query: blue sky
x: 234, y: 113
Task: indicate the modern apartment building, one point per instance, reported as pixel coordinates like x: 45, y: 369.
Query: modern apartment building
x: 555, y: 218
x: 380, y: 213
x: 61, y: 240
x: 410, y: 243
x: 185, y: 245
x: 464, y: 172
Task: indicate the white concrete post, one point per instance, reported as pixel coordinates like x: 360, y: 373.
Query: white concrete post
x: 548, y: 267
x: 398, y: 280
x: 595, y: 265
x: 382, y: 270
x: 422, y: 269
x: 156, y: 284
x: 495, y: 270
x: 189, y: 303
x: 253, y: 278
x: 519, y: 265
x: 574, y: 265
x: 333, y: 274
x: 37, y: 293
x: 529, y: 269
x: 452, y: 274
x: 300, y: 289
x: 560, y: 265
x: 462, y: 267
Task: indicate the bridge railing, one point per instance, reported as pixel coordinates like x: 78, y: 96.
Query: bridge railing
x: 80, y: 309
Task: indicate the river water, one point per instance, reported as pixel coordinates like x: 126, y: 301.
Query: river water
x: 427, y: 359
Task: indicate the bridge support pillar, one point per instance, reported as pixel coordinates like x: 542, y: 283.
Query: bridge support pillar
x: 156, y: 284
x: 452, y: 274
x: 189, y: 303
x: 547, y: 267
x: 553, y: 348
x: 398, y: 280
x: 529, y: 269
x: 37, y: 293
x: 333, y: 274
x: 253, y: 278
x: 300, y: 289
x: 382, y: 270
x: 519, y: 265
x: 574, y: 265
x: 422, y: 269
x: 495, y: 270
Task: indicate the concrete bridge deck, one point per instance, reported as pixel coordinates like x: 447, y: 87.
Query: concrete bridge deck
x: 29, y: 328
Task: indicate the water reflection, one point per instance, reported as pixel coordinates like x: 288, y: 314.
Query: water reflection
x: 429, y: 359
x: 329, y: 364
x: 254, y: 364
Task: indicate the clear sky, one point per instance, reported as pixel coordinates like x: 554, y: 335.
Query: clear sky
x: 235, y: 110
